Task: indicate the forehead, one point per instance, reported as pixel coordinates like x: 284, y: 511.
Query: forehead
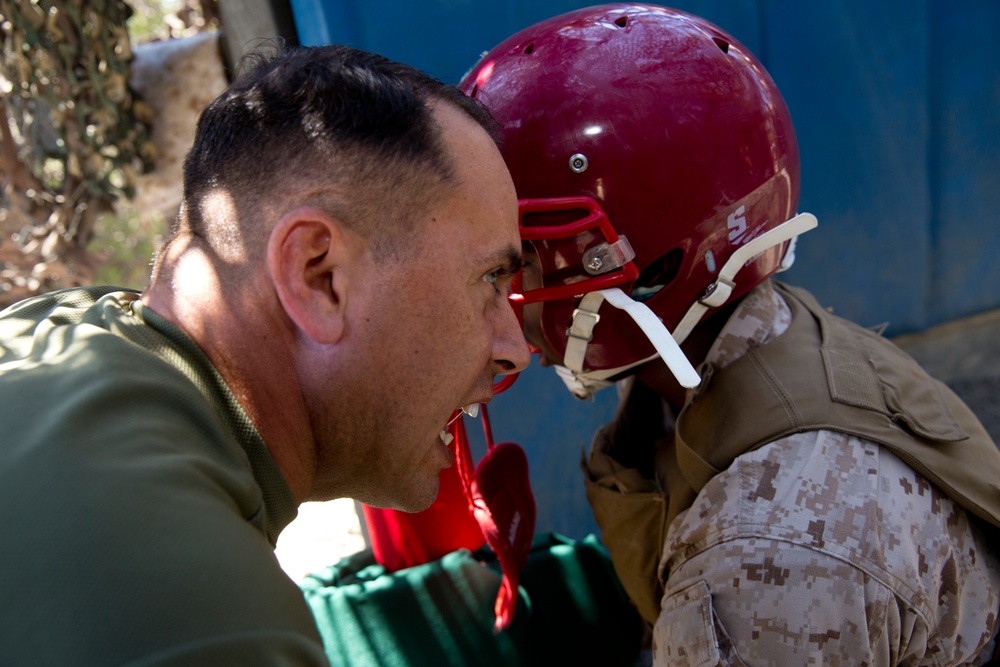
x: 480, y: 205
x: 472, y: 229
x: 476, y: 160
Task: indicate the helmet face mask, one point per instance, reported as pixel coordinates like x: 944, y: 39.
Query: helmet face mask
x: 578, y: 249
x: 648, y: 123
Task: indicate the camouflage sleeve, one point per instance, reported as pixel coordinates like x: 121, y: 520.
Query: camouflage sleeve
x: 824, y: 549
x: 773, y: 603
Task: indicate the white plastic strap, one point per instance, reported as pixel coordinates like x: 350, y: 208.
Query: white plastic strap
x: 718, y: 293
x: 666, y: 347
x: 658, y: 335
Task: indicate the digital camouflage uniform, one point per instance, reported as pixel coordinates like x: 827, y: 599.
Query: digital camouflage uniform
x: 818, y: 548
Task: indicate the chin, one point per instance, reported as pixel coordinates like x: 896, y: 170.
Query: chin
x: 416, y: 501
x: 419, y: 502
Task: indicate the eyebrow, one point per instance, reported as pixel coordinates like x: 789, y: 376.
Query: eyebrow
x: 509, y: 258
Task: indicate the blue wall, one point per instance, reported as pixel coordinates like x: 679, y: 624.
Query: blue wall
x: 897, y: 109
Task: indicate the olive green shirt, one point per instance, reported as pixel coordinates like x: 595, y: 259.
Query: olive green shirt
x: 139, y: 505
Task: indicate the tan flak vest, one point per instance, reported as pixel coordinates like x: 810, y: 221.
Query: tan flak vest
x: 823, y: 373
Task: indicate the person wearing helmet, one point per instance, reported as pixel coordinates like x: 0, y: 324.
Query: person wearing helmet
x: 779, y: 486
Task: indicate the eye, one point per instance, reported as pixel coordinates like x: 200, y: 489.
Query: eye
x: 500, y: 279
x: 500, y: 275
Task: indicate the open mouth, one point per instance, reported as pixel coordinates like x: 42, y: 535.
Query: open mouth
x: 472, y: 410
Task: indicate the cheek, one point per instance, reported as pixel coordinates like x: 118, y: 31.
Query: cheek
x: 531, y: 277
x: 443, y: 321
x: 466, y: 335
x: 532, y: 324
x: 444, y: 338
x: 532, y: 327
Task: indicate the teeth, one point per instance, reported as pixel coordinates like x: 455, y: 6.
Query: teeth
x: 446, y: 437
x: 471, y: 410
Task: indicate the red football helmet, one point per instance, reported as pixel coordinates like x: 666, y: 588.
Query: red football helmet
x: 642, y: 122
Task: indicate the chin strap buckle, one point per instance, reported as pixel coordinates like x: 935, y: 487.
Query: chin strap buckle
x: 583, y: 325
x: 717, y: 293
x: 581, y: 330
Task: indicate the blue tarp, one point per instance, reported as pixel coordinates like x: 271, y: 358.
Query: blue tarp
x: 897, y: 109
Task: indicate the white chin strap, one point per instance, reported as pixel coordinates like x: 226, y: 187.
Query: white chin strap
x: 585, y: 383
x: 585, y: 317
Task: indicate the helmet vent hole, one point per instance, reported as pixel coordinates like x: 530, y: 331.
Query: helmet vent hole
x: 657, y: 275
x: 621, y: 21
x: 529, y: 48
x: 721, y: 43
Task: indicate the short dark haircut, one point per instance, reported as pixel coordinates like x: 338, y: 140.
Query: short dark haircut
x: 344, y: 129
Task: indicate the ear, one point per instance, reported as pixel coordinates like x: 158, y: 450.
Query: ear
x: 310, y: 257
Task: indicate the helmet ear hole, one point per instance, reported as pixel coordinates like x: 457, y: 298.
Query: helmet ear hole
x: 658, y: 274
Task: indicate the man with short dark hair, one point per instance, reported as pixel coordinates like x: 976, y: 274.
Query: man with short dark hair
x: 335, y: 288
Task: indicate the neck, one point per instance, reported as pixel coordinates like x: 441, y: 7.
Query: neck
x: 658, y: 377
x: 213, y: 309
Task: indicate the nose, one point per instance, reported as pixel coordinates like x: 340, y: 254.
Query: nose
x: 510, y: 349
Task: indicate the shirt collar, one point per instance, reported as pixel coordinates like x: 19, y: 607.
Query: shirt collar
x: 760, y: 316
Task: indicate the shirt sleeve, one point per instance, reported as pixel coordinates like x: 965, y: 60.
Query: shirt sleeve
x: 764, y: 602
x: 822, y: 548
x: 130, y: 515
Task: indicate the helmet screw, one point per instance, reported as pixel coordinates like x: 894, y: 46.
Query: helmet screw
x: 595, y: 264
x: 578, y: 163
